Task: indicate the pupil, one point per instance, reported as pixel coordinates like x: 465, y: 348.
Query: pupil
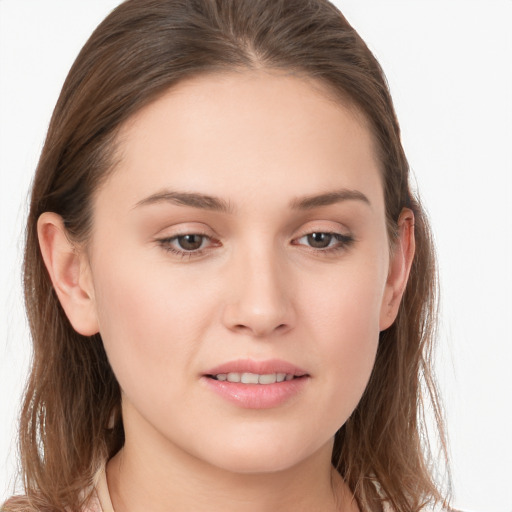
x: 319, y: 240
x: 190, y: 242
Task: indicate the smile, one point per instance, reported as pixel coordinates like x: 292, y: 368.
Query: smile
x: 253, y: 384
x: 253, y: 378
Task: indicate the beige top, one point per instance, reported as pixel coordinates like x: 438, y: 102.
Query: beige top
x: 101, y: 499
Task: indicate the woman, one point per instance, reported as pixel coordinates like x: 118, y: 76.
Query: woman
x: 229, y: 282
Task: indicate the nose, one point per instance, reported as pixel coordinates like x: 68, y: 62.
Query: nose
x: 259, y: 303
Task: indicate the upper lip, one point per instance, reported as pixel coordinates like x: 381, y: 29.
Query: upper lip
x: 259, y: 367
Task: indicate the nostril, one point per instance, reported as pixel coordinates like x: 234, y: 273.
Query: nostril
x: 260, y: 330
x: 257, y: 319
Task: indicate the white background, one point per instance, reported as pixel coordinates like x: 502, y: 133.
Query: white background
x: 449, y: 64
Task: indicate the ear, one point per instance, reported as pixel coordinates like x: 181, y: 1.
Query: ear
x: 69, y: 272
x: 399, y: 268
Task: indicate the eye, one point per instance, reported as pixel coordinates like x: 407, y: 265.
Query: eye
x: 188, y: 244
x: 325, y: 241
x: 319, y: 240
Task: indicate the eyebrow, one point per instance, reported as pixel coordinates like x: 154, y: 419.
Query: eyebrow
x: 192, y: 199
x: 212, y: 203
x: 327, y: 199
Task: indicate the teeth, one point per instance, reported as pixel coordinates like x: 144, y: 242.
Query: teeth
x: 254, y: 378
x: 249, y: 378
x: 267, y: 379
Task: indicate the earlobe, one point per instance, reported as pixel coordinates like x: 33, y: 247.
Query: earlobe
x: 69, y: 273
x: 399, y: 269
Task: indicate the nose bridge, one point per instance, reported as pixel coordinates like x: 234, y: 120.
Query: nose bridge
x: 261, y: 300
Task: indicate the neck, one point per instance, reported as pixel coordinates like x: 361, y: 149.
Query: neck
x: 159, y: 476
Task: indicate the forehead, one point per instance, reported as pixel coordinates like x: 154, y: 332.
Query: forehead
x: 229, y: 133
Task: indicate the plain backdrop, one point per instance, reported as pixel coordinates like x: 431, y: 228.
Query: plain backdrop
x: 449, y: 65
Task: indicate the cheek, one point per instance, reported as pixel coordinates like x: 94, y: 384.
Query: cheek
x: 344, y: 320
x: 345, y: 304
x: 150, y: 321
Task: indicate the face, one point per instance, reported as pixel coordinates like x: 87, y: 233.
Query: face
x: 241, y: 237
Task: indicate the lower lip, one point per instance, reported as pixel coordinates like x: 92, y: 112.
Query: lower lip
x: 257, y: 396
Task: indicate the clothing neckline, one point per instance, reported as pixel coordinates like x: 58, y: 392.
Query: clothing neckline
x: 102, y: 492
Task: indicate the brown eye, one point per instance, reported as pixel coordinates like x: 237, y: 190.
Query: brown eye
x: 323, y: 242
x: 319, y: 240
x: 190, y: 242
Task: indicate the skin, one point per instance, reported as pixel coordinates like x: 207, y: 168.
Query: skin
x: 260, y: 141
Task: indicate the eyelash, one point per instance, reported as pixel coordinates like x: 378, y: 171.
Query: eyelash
x: 343, y: 243
x: 166, y: 244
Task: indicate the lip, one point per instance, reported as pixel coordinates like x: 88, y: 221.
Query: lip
x: 257, y: 396
x: 260, y: 367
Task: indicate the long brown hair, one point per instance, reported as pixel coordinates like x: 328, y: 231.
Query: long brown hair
x: 70, y: 421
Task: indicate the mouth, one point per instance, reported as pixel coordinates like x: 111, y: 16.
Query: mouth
x: 255, y: 378
x: 257, y: 384
x: 249, y: 371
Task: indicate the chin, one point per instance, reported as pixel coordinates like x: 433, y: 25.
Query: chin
x: 249, y: 456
